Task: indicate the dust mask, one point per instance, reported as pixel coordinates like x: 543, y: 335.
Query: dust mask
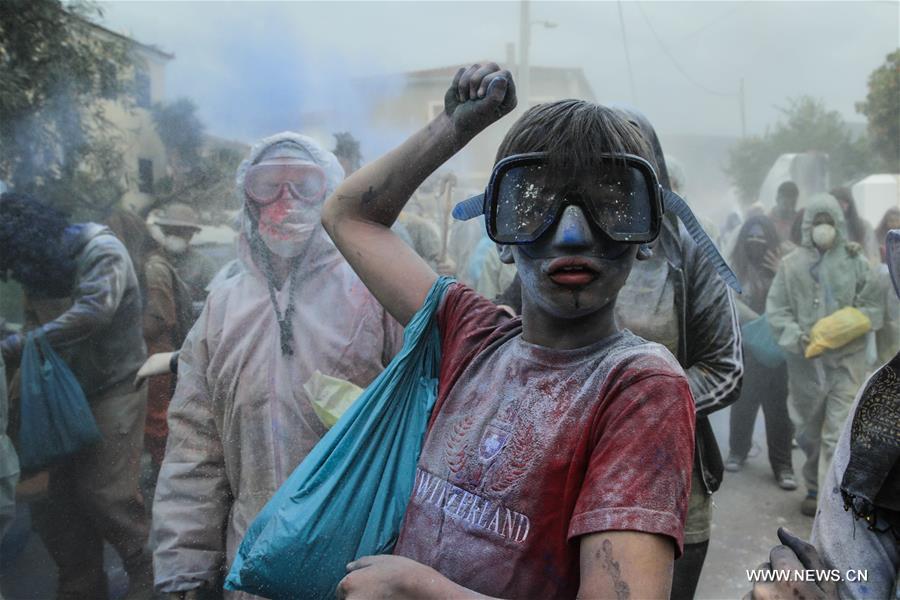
x: 287, y: 241
x: 823, y: 235
x: 175, y: 244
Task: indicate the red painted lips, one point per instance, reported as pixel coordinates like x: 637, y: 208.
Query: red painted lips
x: 573, y: 271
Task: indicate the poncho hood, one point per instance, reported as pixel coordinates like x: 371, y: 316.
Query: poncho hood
x: 823, y: 203
x: 321, y: 248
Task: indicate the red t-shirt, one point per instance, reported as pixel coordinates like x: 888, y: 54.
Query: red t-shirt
x: 529, y: 448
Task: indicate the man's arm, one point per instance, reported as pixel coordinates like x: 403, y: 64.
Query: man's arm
x: 96, y: 298
x: 781, y: 316
x: 359, y: 214
x: 870, y: 299
x: 614, y: 564
x: 714, y: 358
x: 626, y: 564
x: 193, y: 496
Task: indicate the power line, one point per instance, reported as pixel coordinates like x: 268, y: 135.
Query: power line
x: 634, y: 99
x: 677, y: 65
x: 715, y: 20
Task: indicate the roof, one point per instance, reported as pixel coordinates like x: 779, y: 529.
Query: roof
x: 537, y: 72
x: 131, y: 41
x: 450, y: 71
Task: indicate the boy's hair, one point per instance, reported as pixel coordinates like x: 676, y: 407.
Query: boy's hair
x: 573, y: 133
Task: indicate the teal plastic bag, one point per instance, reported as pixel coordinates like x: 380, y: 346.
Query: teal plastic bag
x: 348, y: 496
x: 759, y: 341
x: 55, y: 419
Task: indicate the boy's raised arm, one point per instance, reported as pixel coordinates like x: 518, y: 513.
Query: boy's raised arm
x: 359, y: 214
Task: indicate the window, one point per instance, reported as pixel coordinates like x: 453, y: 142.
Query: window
x: 145, y: 175
x: 142, y: 89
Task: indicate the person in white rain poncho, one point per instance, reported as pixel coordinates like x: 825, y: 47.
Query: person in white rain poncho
x: 240, y: 420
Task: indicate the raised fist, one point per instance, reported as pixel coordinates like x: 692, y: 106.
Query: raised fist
x: 478, y: 97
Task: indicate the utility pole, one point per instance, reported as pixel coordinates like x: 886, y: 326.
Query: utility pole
x: 743, y: 109
x: 523, y: 85
x: 634, y: 98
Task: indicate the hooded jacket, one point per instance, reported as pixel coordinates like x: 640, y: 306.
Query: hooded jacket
x: 686, y: 291
x: 99, y: 335
x: 240, y: 420
x: 810, y: 285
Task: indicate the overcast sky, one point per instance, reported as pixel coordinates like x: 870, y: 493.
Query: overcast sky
x: 255, y: 67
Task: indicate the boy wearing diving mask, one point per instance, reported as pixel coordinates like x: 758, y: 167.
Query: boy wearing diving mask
x: 536, y: 477
x: 823, y: 275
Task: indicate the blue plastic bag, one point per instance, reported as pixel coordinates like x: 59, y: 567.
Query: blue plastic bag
x: 348, y: 496
x: 758, y: 339
x: 55, y: 420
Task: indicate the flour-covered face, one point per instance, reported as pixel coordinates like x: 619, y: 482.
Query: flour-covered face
x: 286, y: 190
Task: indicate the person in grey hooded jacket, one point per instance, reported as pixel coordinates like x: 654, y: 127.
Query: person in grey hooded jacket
x: 823, y: 275
x: 83, y: 296
x: 242, y: 419
x: 676, y: 298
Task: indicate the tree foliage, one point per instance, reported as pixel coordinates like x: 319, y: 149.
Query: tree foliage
x: 181, y: 132
x: 55, y: 71
x: 203, y: 178
x: 806, y: 125
x: 882, y: 109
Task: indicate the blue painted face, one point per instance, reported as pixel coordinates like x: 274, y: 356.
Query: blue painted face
x: 573, y: 269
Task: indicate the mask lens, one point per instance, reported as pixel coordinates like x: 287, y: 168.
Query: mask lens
x: 523, y: 205
x: 261, y: 185
x: 620, y: 201
x: 263, y: 182
x: 621, y: 198
x: 309, y: 185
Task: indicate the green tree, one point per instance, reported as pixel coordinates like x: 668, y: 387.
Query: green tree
x: 882, y: 109
x: 806, y: 125
x: 208, y: 185
x: 181, y: 132
x: 55, y: 71
x: 199, y: 177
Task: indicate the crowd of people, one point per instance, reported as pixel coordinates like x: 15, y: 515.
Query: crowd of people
x: 587, y: 314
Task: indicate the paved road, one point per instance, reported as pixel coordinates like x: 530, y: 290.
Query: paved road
x: 748, y: 509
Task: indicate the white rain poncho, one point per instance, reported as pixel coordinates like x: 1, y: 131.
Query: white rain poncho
x: 809, y: 286
x: 240, y: 421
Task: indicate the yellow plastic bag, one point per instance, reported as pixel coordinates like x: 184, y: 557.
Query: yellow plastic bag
x: 330, y: 397
x: 837, y: 330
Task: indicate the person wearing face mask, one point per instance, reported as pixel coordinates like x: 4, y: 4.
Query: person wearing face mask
x: 823, y: 275
x: 755, y: 260
x: 174, y: 226
x: 858, y: 521
x: 240, y: 420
